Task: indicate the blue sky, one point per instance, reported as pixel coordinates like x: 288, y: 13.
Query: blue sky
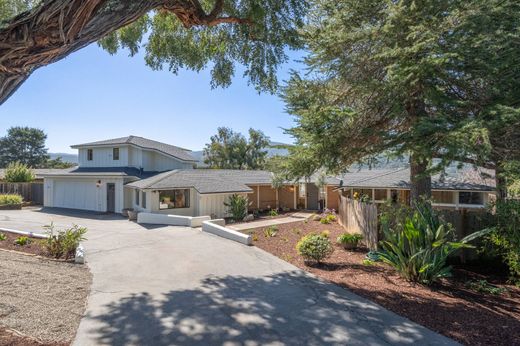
x: 91, y: 95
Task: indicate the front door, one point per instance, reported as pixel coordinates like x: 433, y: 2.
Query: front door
x: 313, y: 194
x: 111, y: 197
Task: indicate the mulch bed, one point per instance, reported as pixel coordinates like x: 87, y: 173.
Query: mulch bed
x: 449, y: 307
x: 34, y: 247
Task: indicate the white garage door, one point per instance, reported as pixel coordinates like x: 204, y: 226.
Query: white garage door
x: 75, y: 194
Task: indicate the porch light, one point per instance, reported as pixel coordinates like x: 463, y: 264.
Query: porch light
x: 98, y: 183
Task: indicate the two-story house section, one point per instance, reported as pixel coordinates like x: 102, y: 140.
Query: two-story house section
x: 105, y: 166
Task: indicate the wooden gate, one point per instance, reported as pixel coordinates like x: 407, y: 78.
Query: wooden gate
x: 358, y: 217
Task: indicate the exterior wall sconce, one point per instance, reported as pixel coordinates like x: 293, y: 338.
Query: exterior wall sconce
x: 98, y: 183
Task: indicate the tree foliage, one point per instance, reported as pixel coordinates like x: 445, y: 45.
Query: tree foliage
x: 25, y: 145
x: 422, y: 78
x: 231, y: 150
x: 174, y: 34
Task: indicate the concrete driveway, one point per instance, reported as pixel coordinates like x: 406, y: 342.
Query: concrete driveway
x: 179, y: 286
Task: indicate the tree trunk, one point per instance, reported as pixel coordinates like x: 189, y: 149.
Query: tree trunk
x: 501, y: 183
x: 421, y: 181
x: 56, y: 28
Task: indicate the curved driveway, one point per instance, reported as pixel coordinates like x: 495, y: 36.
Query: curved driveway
x: 179, y: 286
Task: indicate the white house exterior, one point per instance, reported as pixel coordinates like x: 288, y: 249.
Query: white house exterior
x: 149, y: 176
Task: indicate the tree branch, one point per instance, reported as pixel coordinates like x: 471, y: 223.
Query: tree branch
x: 57, y: 28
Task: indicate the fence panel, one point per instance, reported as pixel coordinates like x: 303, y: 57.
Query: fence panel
x: 31, y: 192
x: 358, y: 217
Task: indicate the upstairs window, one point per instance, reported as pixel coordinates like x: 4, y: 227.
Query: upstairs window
x: 90, y: 154
x: 115, y: 153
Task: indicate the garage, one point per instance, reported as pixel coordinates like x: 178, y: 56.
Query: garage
x: 76, y: 194
x: 84, y: 193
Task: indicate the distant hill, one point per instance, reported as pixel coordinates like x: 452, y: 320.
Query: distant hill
x: 65, y: 157
x: 275, y: 150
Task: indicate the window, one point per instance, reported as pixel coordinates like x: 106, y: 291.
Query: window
x: 115, y: 153
x: 136, y: 197
x: 303, y: 190
x: 90, y: 154
x: 170, y: 199
x: 143, y: 199
x: 469, y: 197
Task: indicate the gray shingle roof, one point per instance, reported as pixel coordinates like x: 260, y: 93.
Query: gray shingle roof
x: 145, y: 143
x: 210, y: 180
x: 202, y: 180
x: 466, y: 178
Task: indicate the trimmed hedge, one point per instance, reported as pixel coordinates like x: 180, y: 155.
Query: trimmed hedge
x: 10, y: 199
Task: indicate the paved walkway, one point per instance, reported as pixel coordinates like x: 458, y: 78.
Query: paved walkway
x: 296, y: 217
x: 179, y: 286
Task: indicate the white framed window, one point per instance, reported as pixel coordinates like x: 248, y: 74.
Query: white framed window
x: 136, y: 197
x: 143, y: 199
x: 173, y: 199
x: 115, y: 153
x: 90, y: 154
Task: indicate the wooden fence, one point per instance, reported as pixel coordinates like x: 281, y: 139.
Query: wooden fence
x: 358, y: 217
x: 31, y: 192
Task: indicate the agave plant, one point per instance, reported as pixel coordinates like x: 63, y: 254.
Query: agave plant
x: 419, y: 247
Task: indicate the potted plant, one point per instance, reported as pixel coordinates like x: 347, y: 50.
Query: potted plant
x: 349, y: 241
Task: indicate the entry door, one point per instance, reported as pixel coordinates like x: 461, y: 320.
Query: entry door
x: 312, y: 196
x: 111, y: 197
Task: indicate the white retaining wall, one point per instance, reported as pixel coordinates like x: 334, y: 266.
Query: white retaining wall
x: 174, y: 220
x: 217, y: 227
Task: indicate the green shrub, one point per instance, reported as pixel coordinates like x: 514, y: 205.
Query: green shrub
x: 273, y: 212
x: 314, y: 247
x: 237, y: 207
x: 270, y: 231
x: 9, y: 199
x: 348, y: 240
x: 419, y: 248
x: 483, y: 286
x: 63, y: 243
x: 22, y: 241
x: 327, y: 219
x: 17, y: 172
x: 505, y: 236
x: 2, y: 237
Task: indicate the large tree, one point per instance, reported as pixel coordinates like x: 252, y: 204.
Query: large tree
x: 24, y: 145
x: 231, y: 150
x: 180, y: 33
x: 405, y: 78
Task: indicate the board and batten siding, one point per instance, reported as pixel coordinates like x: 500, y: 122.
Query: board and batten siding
x: 130, y: 156
x: 213, y: 204
x: 102, y: 157
x: 81, y: 193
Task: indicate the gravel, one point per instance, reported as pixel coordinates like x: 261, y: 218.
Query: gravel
x: 42, y: 298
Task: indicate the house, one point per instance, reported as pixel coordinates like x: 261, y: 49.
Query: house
x: 457, y: 188
x: 146, y: 175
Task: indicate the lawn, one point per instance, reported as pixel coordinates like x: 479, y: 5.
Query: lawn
x: 455, y: 307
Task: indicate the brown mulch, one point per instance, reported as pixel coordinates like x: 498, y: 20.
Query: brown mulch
x: 34, y: 247
x: 449, y: 307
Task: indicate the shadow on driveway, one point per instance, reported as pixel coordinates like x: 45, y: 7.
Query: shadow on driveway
x: 286, y: 308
